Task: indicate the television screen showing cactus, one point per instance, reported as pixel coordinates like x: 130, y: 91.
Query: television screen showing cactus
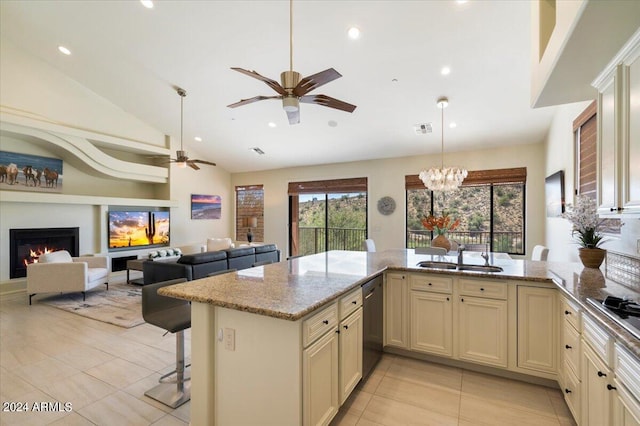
x: 138, y: 228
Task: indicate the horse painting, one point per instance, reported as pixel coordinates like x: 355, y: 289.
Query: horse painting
x: 29, y: 176
x: 3, y: 173
x: 12, y: 174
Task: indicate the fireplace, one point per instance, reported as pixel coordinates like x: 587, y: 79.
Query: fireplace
x: 25, y: 245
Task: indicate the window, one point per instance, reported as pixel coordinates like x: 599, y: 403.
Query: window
x: 490, y: 206
x: 327, y: 215
x: 250, y: 205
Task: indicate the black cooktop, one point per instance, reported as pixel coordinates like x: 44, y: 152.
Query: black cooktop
x: 624, y: 312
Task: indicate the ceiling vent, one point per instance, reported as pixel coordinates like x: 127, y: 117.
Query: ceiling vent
x: 422, y: 129
x: 257, y: 151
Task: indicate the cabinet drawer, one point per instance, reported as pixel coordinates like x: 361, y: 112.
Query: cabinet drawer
x: 626, y: 367
x: 350, y: 303
x: 319, y: 324
x: 431, y: 283
x: 490, y: 289
x: 571, y: 313
x: 597, y: 338
x: 571, y: 348
x: 571, y: 391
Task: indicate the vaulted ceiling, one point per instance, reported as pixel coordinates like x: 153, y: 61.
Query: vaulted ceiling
x: 134, y: 57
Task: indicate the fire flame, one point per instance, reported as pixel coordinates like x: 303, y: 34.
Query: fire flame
x: 35, y: 255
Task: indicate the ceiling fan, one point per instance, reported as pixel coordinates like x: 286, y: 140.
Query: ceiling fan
x: 293, y: 89
x: 182, y: 158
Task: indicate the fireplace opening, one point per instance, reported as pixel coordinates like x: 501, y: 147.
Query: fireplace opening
x: 26, y: 245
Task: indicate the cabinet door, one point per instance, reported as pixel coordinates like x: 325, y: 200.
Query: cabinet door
x: 538, y: 329
x: 596, y: 396
x: 396, y: 307
x: 608, y: 163
x: 482, y: 334
x: 350, y: 353
x: 320, y: 380
x: 626, y: 409
x: 431, y: 323
x: 631, y: 153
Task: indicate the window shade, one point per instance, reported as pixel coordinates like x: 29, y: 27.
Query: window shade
x: 478, y: 177
x: 328, y: 186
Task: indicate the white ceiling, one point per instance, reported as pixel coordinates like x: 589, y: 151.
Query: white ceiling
x: 134, y: 57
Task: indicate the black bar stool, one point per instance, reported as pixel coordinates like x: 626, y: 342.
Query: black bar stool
x: 173, y: 315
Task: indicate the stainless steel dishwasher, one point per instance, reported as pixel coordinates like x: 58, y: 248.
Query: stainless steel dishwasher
x: 372, y: 324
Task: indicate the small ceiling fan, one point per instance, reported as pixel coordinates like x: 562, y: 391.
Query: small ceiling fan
x: 182, y: 158
x: 293, y: 89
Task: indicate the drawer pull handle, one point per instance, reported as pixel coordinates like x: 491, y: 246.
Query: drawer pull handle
x: 568, y: 346
x: 430, y: 284
x: 326, y: 322
x: 611, y: 387
x: 447, y: 299
x: 567, y: 390
x: 567, y: 312
x: 346, y: 327
x: 601, y: 374
x: 355, y: 302
x: 462, y: 300
x: 481, y: 289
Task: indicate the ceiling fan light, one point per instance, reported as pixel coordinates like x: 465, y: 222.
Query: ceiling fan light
x: 182, y: 164
x: 290, y: 104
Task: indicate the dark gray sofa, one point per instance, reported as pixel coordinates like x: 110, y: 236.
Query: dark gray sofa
x: 199, y: 265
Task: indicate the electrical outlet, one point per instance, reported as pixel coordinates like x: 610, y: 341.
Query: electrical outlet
x: 230, y: 339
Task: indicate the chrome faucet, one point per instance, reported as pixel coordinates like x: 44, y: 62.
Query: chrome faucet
x: 485, y: 256
x: 460, y: 257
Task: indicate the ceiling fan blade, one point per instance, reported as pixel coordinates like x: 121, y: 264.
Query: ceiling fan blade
x: 252, y: 100
x: 203, y: 162
x: 191, y: 164
x: 314, y: 81
x: 294, y: 116
x: 271, y: 83
x: 328, y: 101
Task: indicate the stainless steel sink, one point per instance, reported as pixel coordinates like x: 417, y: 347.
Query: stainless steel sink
x: 480, y: 268
x: 437, y: 265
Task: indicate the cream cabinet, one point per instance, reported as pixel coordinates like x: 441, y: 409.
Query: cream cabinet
x: 431, y: 323
x: 619, y: 133
x: 396, y: 318
x: 538, y: 329
x: 597, y: 381
x: 482, y: 333
x: 570, y: 354
x: 320, y: 380
x: 626, y: 395
x: 350, y: 348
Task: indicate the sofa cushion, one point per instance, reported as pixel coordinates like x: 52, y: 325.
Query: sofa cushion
x: 60, y: 256
x: 266, y: 248
x: 240, y: 251
x: 214, y: 244
x: 207, y: 256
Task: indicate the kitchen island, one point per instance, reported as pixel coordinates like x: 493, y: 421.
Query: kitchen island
x: 248, y: 340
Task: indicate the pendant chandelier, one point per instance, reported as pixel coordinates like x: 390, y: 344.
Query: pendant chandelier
x: 443, y: 178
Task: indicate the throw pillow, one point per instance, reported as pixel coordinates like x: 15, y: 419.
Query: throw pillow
x: 215, y: 244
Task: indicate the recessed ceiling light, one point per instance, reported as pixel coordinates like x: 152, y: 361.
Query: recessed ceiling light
x: 445, y: 71
x: 453, y: 125
x: 198, y: 139
x: 64, y: 50
x: 147, y: 3
x: 272, y: 124
x: 332, y: 123
x: 354, y: 33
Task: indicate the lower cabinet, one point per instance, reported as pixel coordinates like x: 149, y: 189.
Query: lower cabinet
x: 596, y: 389
x: 396, y: 315
x: 626, y: 409
x: 538, y: 329
x: 320, y: 380
x: 431, y: 323
x: 350, y: 353
x: 482, y: 333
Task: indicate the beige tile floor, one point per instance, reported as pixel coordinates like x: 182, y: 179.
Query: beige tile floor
x: 48, y: 355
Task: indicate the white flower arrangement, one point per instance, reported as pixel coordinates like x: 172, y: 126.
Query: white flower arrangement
x: 584, y: 218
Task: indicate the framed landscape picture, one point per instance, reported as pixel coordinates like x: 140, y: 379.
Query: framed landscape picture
x: 206, y: 206
x: 554, y: 194
x: 25, y: 172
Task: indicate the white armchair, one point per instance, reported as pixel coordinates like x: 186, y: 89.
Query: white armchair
x: 58, y: 272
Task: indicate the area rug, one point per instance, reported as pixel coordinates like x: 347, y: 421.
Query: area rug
x: 121, y: 305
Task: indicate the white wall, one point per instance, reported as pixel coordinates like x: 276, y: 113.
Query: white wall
x: 386, y: 177
x: 560, y: 156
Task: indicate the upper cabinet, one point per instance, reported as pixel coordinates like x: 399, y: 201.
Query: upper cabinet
x: 619, y: 132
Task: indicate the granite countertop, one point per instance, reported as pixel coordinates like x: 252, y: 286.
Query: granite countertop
x: 292, y: 289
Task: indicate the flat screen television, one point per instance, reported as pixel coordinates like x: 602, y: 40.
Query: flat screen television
x: 140, y: 228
